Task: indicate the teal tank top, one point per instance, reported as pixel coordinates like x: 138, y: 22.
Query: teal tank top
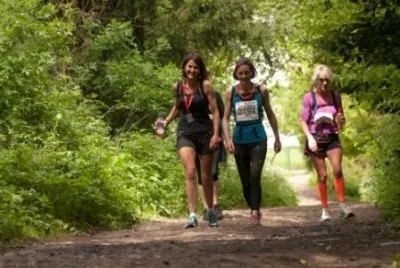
x: 248, y: 115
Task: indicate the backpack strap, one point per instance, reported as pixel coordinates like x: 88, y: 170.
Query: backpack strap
x: 334, y: 99
x: 179, y: 90
x: 233, y: 92
x: 313, y: 105
x: 201, y: 91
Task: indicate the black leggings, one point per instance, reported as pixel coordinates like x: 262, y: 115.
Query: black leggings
x: 250, y: 160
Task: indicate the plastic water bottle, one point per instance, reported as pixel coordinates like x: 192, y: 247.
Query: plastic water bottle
x: 160, y: 130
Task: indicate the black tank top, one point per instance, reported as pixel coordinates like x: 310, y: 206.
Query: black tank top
x: 199, y: 108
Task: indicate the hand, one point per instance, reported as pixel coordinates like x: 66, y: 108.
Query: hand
x: 277, y: 146
x: 312, y: 144
x: 163, y: 122
x: 340, y: 120
x: 215, y: 139
x: 229, y: 146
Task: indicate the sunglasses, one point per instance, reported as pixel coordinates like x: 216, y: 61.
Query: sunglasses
x: 323, y: 80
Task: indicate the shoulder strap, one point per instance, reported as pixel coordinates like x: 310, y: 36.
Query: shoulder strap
x: 313, y: 104
x: 201, y: 91
x: 333, y: 93
x: 314, y: 101
x: 233, y: 91
x: 179, y: 89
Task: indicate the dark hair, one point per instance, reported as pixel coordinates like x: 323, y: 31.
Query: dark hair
x: 244, y: 61
x: 195, y: 56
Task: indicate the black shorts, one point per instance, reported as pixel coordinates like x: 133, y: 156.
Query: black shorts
x: 200, y: 142
x: 324, y: 143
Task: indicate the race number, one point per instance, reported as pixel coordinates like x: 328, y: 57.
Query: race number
x: 246, y: 111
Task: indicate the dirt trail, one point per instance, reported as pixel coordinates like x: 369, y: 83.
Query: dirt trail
x: 305, y: 194
x: 288, y: 237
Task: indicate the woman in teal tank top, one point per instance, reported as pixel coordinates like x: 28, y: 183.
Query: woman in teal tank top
x: 248, y: 115
x: 249, y: 142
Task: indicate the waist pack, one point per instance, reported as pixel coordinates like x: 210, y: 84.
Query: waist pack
x: 323, y: 139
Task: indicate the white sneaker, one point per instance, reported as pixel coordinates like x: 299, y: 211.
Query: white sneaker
x: 346, y: 211
x: 326, y: 216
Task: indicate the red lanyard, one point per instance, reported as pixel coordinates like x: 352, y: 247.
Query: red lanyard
x: 187, y: 100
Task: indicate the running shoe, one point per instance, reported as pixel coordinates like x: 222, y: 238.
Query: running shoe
x: 212, y: 218
x: 345, y: 211
x: 326, y: 216
x: 218, y: 212
x: 255, y: 218
x: 192, y: 222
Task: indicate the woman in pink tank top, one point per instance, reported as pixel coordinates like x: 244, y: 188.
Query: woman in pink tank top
x: 321, y: 120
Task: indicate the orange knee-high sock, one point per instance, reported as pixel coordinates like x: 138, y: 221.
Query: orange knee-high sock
x: 323, y: 194
x: 339, y: 187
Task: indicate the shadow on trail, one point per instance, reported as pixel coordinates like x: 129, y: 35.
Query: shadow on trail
x: 289, y: 237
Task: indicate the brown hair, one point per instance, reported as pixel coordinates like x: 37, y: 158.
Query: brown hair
x: 244, y: 61
x: 195, y: 56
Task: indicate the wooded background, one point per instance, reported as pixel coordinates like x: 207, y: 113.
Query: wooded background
x: 82, y: 82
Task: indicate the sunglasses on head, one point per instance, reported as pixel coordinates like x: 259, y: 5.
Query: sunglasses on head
x: 323, y: 80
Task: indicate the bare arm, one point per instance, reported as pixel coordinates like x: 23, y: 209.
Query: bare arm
x: 174, y: 110
x: 304, y: 118
x: 225, y: 121
x: 304, y: 128
x: 227, y: 114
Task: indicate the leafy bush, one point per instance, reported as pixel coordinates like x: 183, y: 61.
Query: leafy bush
x: 25, y: 213
x: 383, y: 187
x: 59, y: 170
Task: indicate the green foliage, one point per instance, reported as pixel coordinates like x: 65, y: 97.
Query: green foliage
x: 30, y: 46
x: 132, y: 88
x: 383, y: 187
x: 25, y: 213
x: 82, y: 82
x: 156, y: 174
x: 59, y: 170
x: 195, y: 25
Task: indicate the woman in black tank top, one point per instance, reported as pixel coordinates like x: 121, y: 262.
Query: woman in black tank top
x: 197, y: 133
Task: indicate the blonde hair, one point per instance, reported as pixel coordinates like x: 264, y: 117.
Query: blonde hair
x: 321, y: 68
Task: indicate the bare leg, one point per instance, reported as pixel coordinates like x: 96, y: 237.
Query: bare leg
x: 187, y: 155
x: 320, y: 168
x: 205, y: 165
x: 335, y: 158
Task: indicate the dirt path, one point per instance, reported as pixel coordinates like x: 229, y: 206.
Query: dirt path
x: 288, y: 237
x: 305, y: 194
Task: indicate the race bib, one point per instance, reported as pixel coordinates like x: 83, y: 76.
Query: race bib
x: 246, y: 111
